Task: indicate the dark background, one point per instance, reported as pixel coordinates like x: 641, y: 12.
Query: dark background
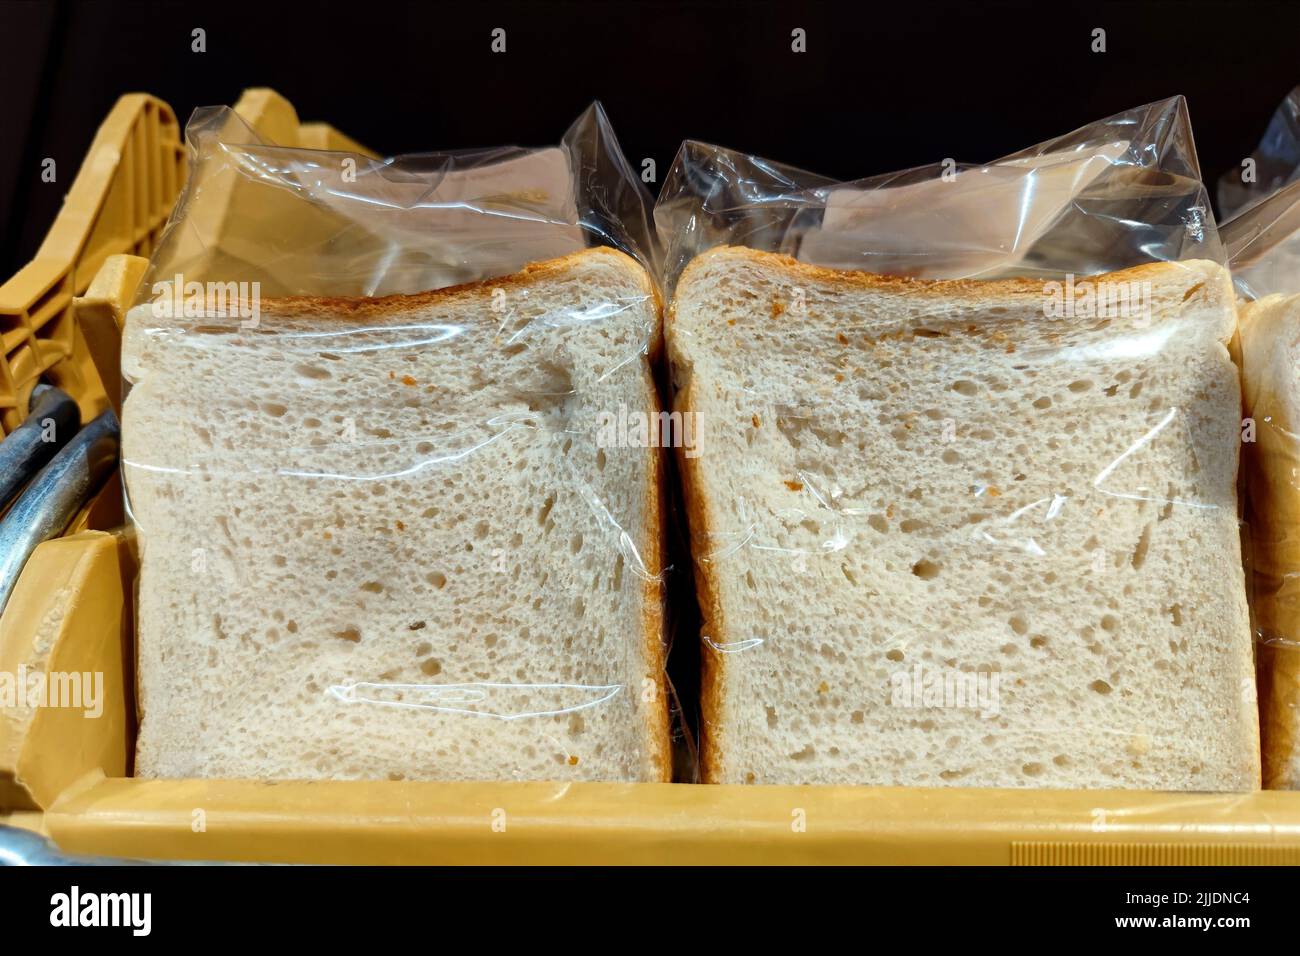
x: 882, y: 86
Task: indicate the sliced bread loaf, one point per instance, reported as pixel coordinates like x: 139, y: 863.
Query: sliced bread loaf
x: 380, y: 538
x: 1270, y: 352
x: 947, y: 535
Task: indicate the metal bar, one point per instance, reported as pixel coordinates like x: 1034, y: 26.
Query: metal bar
x: 31, y: 445
x: 55, y: 496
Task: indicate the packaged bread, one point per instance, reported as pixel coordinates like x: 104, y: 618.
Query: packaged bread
x: 386, y: 536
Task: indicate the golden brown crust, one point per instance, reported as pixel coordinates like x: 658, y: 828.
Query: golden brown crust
x: 1279, y: 698
x: 653, y: 612
x: 313, y: 306
x: 712, y: 626
x: 871, y: 281
x: 1273, y: 514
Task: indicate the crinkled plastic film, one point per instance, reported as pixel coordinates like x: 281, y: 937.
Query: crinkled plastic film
x: 958, y: 532
x: 1260, y: 203
x: 1262, y: 240
x: 1275, y: 163
x: 394, y: 521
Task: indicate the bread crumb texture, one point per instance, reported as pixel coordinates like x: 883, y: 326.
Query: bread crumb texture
x: 379, y: 539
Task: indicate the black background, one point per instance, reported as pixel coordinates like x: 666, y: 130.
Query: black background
x: 925, y: 909
x: 882, y: 86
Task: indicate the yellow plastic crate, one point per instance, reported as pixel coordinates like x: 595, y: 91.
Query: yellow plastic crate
x: 67, y: 776
x: 118, y: 205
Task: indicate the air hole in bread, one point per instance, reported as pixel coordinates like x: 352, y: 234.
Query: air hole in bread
x: 925, y: 569
x: 545, y: 511
x: 311, y: 371
x: 1140, y: 550
x: 964, y: 387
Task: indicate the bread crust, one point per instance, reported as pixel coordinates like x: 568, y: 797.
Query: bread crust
x: 938, y: 288
x: 653, y: 617
x: 1273, y: 510
x: 712, y: 672
x: 358, y: 307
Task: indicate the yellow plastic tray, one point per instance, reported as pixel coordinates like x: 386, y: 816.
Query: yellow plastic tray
x: 71, y: 611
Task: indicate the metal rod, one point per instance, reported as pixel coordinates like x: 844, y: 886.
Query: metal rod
x: 53, y: 419
x: 55, y: 496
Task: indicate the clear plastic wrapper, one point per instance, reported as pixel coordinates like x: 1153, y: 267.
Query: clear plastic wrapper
x: 1260, y: 205
x: 1262, y: 240
x: 963, y: 511
x: 389, y: 449
x: 1274, y: 164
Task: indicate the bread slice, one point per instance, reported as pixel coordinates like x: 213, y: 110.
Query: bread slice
x: 944, y: 539
x: 1270, y: 352
x: 379, y: 539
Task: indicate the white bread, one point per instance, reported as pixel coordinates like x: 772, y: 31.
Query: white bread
x: 1270, y: 352
x: 466, y: 588
x: 1077, y: 536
